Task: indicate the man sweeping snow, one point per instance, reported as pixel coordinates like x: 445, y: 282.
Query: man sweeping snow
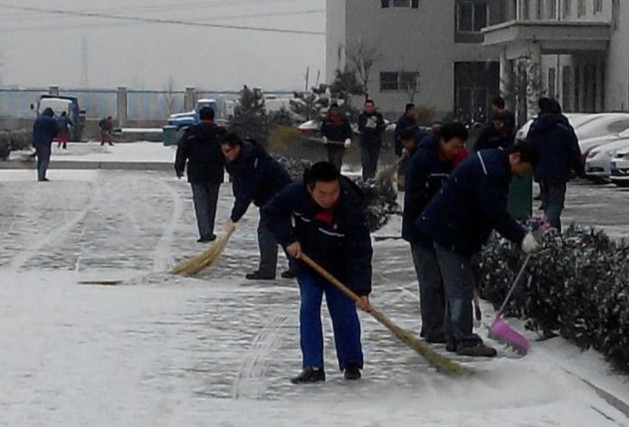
x: 458, y: 221
x: 322, y: 217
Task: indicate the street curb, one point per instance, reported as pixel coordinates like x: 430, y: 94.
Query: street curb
x: 68, y: 164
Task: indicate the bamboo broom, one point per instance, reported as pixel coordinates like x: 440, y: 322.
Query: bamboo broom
x: 195, y: 264
x: 442, y: 363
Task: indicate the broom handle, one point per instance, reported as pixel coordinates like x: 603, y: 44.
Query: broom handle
x: 515, y: 282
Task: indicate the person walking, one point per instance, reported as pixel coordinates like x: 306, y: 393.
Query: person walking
x: 44, y: 131
x: 496, y: 134
x: 407, y: 121
x: 256, y: 177
x: 337, y: 135
x: 63, y: 123
x: 559, y: 156
x: 429, y: 168
x: 199, y: 151
x: 458, y: 221
x: 322, y: 218
x: 371, y: 126
x: 106, y: 126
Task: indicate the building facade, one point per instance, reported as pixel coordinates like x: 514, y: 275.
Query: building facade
x: 457, y: 54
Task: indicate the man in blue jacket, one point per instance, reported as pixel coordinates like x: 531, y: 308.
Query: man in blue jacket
x: 458, y: 221
x: 559, y: 155
x: 430, y: 167
x: 256, y: 177
x: 323, y: 218
x: 44, y: 131
x: 200, y: 151
x: 337, y: 135
x: 371, y: 126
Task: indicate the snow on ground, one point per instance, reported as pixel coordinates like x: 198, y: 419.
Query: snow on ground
x: 218, y: 350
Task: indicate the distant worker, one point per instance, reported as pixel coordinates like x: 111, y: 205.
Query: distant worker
x: 44, y: 131
x: 496, y: 134
x: 337, y: 135
x: 106, y: 126
x: 498, y: 106
x: 63, y: 123
x: 371, y: 126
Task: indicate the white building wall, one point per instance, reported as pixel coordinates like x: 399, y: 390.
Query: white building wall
x: 617, y: 69
x: 335, y: 29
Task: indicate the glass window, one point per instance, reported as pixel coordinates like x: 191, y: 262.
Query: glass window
x: 466, y: 17
x: 408, y: 81
x: 480, y: 16
x: 388, y: 81
x: 384, y: 3
x: 526, y: 9
x: 598, y: 6
x: 581, y: 8
x: 552, y: 77
x: 401, y: 3
x: 567, y: 6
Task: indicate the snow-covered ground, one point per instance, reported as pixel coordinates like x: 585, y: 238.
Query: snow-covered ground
x: 218, y: 350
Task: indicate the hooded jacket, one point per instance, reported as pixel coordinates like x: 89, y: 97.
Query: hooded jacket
x: 45, y: 129
x: 200, y: 148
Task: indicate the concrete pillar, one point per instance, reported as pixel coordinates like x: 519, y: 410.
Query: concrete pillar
x: 189, y: 99
x: 53, y: 90
x: 506, y: 79
x: 533, y: 79
x: 121, y: 106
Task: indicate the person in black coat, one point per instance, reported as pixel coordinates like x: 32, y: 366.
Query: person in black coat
x: 322, y: 217
x: 430, y: 167
x: 199, y: 150
x: 44, y: 131
x: 496, y: 134
x: 337, y: 135
x: 458, y: 221
x: 371, y: 126
x: 256, y: 177
x: 559, y: 156
x: 407, y: 121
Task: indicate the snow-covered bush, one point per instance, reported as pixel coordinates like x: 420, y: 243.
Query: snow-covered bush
x: 577, y: 286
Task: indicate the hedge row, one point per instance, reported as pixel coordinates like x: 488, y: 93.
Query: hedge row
x: 576, y: 286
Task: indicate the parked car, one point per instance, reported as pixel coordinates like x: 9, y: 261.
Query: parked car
x: 598, y: 162
x: 576, y: 120
x: 619, y: 167
x: 70, y: 105
x: 313, y: 127
x: 191, y: 118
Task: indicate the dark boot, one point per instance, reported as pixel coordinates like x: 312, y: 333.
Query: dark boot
x: 256, y: 275
x: 206, y: 239
x: 475, y: 350
x: 309, y: 375
x: 288, y: 274
x: 352, y: 372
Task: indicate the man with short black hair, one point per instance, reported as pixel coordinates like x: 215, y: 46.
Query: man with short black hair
x: 429, y: 168
x: 371, y: 126
x: 44, y: 130
x: 256, y: 177
x: 323, y: 218
x: 498, y: 106
x: 337, y: 135
x: 459, y: 220
x: 496, y: 133
x: 199, y: 151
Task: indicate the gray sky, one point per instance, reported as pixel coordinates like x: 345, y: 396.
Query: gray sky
x: 74, y: 42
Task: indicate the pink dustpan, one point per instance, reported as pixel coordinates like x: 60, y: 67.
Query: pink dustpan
x: 500, y: 331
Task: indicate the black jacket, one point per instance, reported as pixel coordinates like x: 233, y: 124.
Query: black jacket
x: 256, y: 177
x: 200, y: 147
x: 342, y: 247
x: 371, y: 127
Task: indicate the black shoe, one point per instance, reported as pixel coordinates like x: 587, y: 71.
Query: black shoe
x: 438, y: 339
x: 352, y: 372
x: 451, y: 347
x: 43, y: 180
x: 256, y: 275
x: 310, y: 375
x: 206, y: 239
x: 475, y: 350
x: 288, y: 274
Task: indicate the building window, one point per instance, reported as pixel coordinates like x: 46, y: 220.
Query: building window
x: 526, y: 10
x: 398, y: 82
x: 552, y: 78
x: 567, y: 6
x: 581, y: 8
x: 471, y: 17
x: 598, y: 6
x: 400, y: 3
x: 566, y: 88
x: 615, y: 14
x: 552, y: 9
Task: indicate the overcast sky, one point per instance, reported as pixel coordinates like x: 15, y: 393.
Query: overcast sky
x: 109, y: 43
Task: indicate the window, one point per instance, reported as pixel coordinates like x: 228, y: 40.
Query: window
x: 566, y: 88
x: 567, y: 6
x: 615, y: 14
x: 552, y: 9
x: 398, y: 82
x: 400, y: 3
x: 552, y: 77
x: 598, y: 6
x: 526, y: 10
x: 471, y: 17
x: 580, y: 8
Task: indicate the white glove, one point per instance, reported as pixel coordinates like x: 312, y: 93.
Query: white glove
x: 529, y: 244
x: 405, y: 152
x: 348, y: 143
x: 325, y: 140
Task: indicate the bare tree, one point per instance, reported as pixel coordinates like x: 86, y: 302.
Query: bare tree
x: 169, y: 95
x: 361, y: 59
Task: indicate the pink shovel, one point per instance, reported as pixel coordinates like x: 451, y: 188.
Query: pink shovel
x: 500, y: 331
